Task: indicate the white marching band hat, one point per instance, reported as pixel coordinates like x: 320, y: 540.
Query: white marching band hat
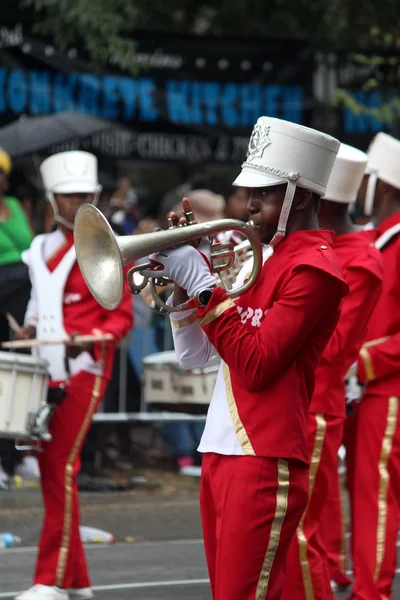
x: 383, y: 163
x: 283, y: 152
x: 68, y: 173
x: 346, y: 176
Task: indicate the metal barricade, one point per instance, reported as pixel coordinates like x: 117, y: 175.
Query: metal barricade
x: 146, y: 413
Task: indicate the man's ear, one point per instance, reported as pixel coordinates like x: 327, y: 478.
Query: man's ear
x: 303, y: 199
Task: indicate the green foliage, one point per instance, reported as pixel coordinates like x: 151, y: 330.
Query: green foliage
x: 384, y: 70
x: 102, y: 25
x: 99, y: 27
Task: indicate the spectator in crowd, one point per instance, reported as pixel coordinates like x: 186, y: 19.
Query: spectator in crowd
x: 236, y: 203
x: 126, y: 207
x: 192, y: 176
x: 15, y: 237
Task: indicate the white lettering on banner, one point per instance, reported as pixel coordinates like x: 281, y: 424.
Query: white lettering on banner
x: 253, y: 314
x: 72, y: 298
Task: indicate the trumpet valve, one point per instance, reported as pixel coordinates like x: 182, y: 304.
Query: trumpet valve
x: 188, y: 213
x: 222, y: 257
x: 172, y: 220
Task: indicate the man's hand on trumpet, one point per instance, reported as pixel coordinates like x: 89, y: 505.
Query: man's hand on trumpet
x: 187, y: 266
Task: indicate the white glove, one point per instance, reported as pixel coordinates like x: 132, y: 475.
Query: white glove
x: 354, y: 390
x: 352, y: 372
x: 187, y: 266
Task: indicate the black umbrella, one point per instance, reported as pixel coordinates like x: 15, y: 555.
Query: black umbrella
x: 32, y: 134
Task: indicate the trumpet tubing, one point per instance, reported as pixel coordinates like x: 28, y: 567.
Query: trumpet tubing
x: 242, y: 253
x: 102, y: 256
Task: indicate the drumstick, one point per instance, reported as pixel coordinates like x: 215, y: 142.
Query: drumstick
x: 77, y: 339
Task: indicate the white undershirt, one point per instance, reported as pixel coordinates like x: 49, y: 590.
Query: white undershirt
x: 193, y: 350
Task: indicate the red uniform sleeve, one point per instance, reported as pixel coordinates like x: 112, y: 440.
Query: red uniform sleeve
x: 379, y: 358
x: 259, y: 355
x: 118, y: 322
x: 365, y: 288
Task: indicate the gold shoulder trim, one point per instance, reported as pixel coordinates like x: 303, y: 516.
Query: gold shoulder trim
x: 368, y: 366
x: 376, y: 342
x: 215, y: 312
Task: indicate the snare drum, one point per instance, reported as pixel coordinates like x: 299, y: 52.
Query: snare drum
x: 169, y: 387
x: 23, y: 394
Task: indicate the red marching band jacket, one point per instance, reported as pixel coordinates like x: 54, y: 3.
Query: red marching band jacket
x: 379, y: 358
x: 86, y: 316
x: 271, y: 356
x: 362, y: 268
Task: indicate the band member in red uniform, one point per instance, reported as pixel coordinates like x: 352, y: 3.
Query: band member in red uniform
x: 255, y: 465
x: 307, y: 573
x: 376, y: 475
x: 61, y: 306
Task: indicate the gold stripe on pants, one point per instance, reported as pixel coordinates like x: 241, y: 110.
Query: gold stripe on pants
x: 69, y: 471
x: 303, y: 544
x: 276, y: 528
x: 387, y: 442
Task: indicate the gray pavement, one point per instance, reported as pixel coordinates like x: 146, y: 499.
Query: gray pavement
x: 166, y: 560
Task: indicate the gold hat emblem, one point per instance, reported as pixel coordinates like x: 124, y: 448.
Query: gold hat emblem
x: 259, y: 141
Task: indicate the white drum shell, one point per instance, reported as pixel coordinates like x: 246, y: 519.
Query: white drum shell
x: 165, y: 382
x: 23, y: 391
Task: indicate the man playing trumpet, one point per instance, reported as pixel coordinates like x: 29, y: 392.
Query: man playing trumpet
x: 254, y: 485
x: 62, y: 306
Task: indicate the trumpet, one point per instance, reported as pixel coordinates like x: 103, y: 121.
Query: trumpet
x: 102, y: 256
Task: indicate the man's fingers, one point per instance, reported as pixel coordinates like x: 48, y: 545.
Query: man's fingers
x: 187, y: 207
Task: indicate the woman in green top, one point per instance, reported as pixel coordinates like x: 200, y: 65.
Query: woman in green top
x: 15, y: 237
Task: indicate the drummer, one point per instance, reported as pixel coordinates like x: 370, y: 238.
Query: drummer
x: 61, y: 306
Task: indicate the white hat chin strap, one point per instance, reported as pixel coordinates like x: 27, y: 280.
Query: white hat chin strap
x: 58, y: 218
x: 285, y: 212
x: 370, y: 193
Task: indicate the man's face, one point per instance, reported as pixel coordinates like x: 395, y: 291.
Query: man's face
x: 236, y: 205
x: 69, y: 204
x: 264, y: 207
x: 385, y: 200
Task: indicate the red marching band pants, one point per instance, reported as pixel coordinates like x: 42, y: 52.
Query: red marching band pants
x: 333, y: 522
x: 250, y: 508
x: 374, y: 483
x: 307, y: 572
x: 61, y: 559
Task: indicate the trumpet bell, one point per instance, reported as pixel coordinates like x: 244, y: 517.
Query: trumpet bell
x: 102, y: 256
x: 99, y: 257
